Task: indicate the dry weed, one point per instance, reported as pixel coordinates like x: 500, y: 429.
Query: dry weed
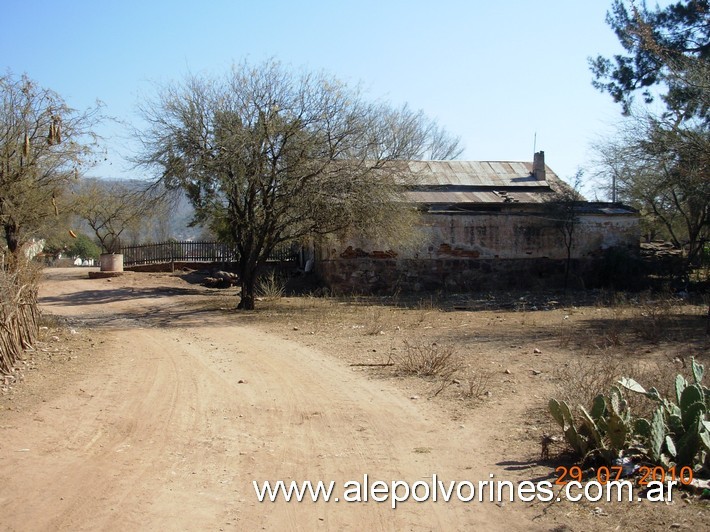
x: 270, y: 287
x: 428, y: 360
x: 652, y: 318
x: 581, y: 380
x: 375, y: 323
x: 427, y: 304
x: 477, y: 384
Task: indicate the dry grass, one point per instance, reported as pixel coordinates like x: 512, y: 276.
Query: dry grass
x: 581, y: 380
x: 270, y: 287
x: 438, y: 363
x: 594, y: 344
x: 584, y: 346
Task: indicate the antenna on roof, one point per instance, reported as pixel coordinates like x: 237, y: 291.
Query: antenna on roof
x: 535, y: 142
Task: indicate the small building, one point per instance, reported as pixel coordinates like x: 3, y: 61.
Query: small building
x: 486, y: 225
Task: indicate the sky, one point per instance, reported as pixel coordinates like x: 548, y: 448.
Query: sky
x: 507, y: 77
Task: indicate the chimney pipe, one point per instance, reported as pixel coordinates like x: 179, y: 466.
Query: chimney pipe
x: 538, y: 170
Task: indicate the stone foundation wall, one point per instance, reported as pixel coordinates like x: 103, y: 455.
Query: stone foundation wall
x: 386, y: 276
x: 176, y: 266
x: 282, y: 268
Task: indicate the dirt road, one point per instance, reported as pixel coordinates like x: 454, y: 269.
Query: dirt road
x: 177, y: 412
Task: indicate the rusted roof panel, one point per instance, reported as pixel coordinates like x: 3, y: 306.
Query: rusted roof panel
x: 429, y: 197
x: 488, y: 182
x: 478, y: 173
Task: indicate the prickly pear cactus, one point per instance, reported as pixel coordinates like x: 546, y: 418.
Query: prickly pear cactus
x: 679, y: 432
x: 563, y: 415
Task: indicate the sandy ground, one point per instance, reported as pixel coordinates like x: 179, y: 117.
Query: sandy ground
x: 171, y: 413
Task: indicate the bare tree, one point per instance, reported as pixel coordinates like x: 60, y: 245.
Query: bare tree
x: 563, y: 208
x: 111, y: 208
x: 661, y: 166
x: 44, y: 145
x: 267, y: 156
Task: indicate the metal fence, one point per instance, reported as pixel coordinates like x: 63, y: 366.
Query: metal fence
x: 192, y: 252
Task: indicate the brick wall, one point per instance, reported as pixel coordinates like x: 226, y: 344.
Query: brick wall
x: 476, y: 251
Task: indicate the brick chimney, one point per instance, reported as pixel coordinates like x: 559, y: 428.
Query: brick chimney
x: 538, y: 170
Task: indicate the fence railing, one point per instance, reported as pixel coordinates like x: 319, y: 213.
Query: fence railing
x: 192, y: 252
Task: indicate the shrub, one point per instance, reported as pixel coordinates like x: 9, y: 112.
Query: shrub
x: 428, y: 360
x: 270, y: 287
x: 619, y: 269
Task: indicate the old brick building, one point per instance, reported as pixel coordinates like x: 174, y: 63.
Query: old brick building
x: 485, y: 225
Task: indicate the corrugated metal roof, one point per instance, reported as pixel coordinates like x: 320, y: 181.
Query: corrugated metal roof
x: 478, y: 173
x: 480, y: 182
x: 607, y: 208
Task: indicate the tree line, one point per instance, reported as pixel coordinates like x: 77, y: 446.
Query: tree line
x: 268, y: 154
x: 265, y: 154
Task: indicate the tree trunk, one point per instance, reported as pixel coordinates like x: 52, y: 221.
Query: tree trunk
x: 247, y: 277
x: 13, y: 246
x: 247, y: 300
x: 11, y: 237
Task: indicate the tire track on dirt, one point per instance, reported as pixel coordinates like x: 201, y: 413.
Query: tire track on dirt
x: 172, y: 424
x: 316, y: 401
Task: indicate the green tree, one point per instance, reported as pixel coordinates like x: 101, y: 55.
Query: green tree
x: 44, y: 146
x: 83, y: 247
x: 660, y: 160
x: 267, y: 156
x: 667, y: 52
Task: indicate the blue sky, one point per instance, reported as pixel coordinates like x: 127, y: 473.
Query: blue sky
x: 494, y: 73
